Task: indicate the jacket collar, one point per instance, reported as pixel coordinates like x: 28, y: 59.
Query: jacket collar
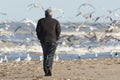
x: 48, y: 16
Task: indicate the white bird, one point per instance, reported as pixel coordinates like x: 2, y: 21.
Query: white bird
x: 59, y: 10
x: 1, y: 60
x: 78, y: 28
x: 79, y: 56
x: 96, y: 55
x: 86, y: 4
x: 56, y: 58
x: 18, y: 59
x: 41, y: 58
x: 36, y: 5
x: 5, y: 59
x: 29, y: 21
x: 28, y: 58
x: 63, y: 43
x: 92, y: 28
x: 111, y: 54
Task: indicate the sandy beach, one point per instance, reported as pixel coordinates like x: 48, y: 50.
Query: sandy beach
x: 84, y: 69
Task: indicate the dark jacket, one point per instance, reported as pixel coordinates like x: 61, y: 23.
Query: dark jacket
x: 48, y: 29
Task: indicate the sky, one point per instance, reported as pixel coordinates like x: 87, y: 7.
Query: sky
x: 18, y: 9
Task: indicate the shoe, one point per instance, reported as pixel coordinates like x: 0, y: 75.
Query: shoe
x: 48, y: 73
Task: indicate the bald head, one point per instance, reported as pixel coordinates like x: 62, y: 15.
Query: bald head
x: 48, y: 12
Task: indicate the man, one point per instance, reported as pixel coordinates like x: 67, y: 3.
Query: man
x: 48, y: 31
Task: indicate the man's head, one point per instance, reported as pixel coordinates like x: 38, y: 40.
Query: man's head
x: 48, y: 12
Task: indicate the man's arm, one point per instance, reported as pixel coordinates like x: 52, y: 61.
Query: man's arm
x: 38, y: 30
x: 58, y: 30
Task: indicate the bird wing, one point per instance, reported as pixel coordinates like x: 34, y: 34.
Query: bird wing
x: 36, y: 5
x: 97, y: 19
x: 17, y: 28
x: 86, y: 4
x: 3, y: 13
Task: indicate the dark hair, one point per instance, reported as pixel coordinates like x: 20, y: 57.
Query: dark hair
x: 47, y: 12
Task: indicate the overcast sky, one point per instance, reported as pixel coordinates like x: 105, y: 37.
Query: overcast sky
x: 18, y: 9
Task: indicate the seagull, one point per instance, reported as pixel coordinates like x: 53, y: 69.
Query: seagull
x: 29, y: 21
x: 88, y: 15
x: 79, y: 56
x: 41, y: 58
x: 28, y: 58
x: 114, y: 22
x: 86, y: 4
x: 92, y: 28
x: 36, y: 5
x: 96, y: 55
x: 78, y: 14
x: 111, y: 54
x: 78, y: 28
x: 56, y: 58
x: 5, y: 59
x: 17, y: 28
x: 63, y: 43
x: 103, y: 18
x: 18, y: 59
x: 1, y: 60
x: 3, y: 13
x: 110, y: 28
x: 108, y: 17
x: 96, y: 19
x: 60, y: 10
x: 112, y: 11
x: 116, y: 55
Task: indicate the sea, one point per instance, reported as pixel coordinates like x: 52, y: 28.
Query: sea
x: 77, y: 40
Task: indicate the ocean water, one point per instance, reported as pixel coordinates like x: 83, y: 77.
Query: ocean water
x: 17, y: 39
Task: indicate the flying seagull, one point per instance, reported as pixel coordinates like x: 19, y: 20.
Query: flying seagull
x: 88, y: 15
x: 3, y: 13
x: 86, y: 4
x: 36, y: 5
x: 111, y: 11
x: 59, y: 10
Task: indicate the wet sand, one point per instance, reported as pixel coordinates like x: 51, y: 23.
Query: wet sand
x: 87, y: 69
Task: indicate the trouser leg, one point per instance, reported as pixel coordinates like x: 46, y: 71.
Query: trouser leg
x: 52, y: 50
x: 48, y: 52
